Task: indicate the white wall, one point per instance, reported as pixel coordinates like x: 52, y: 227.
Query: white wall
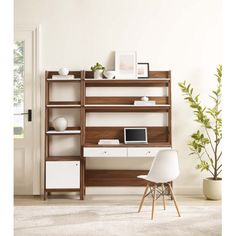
x: 183, y: 36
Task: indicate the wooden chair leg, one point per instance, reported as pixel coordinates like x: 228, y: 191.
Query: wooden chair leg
x: 163, y: 196
x: 173, y: 196
x: 141, y: 203
x: 153, y: 201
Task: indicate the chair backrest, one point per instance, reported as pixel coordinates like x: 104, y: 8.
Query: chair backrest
x: 165, y: 167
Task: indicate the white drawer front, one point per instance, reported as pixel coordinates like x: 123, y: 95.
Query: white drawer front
x: 62, y: 174
x: 144, y: 152
x: 105, y: 152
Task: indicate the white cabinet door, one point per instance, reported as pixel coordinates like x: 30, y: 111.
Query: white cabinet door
x: 144, y: 152
x: 105, y: 152
x: 62, y: 174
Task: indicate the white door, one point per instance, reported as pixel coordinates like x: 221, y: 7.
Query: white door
x: 23, y: 105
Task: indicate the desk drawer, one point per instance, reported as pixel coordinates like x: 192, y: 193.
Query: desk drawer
x: 144, y: 152
x: 105, y: 152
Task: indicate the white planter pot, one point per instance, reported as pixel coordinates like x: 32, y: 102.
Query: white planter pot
x: 98, y: 74
x: 212, y: 189
x: 60, y: 123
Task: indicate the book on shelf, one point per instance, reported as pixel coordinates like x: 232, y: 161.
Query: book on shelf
x: 144, y: 103
x: 63, y: 77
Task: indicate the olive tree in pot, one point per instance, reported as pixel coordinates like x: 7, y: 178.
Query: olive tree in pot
x: 205, y: 142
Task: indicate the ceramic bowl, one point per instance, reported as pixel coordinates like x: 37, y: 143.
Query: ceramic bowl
x: 63, y: 71
x: 109, y: 74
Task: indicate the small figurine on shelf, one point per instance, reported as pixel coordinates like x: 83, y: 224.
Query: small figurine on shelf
x: 98, y: 70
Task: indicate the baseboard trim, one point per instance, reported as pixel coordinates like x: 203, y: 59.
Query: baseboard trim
x: 186, y: 190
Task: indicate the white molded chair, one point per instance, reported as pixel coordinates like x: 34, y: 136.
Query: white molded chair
x: 164, y: 169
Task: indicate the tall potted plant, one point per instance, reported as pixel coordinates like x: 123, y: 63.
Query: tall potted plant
x: 205, y: 142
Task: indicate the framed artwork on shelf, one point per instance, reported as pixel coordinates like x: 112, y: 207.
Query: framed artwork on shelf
x: 126, y: 64
x: 143, y: 70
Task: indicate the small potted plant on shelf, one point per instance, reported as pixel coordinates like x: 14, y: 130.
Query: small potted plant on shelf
x: 98, y: 70
x: 205, y: 142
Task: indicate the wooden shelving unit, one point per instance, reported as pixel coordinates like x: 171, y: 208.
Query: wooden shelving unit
x: 158, y: 136
x: 64, y: 165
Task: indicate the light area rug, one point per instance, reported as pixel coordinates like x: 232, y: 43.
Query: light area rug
x: 116, y: 220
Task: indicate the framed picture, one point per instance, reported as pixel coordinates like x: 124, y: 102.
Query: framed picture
x: 143, y: 70
x: 126, y: 64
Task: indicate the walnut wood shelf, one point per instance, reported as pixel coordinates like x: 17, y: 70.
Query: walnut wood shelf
x: 114, y: 177
x: 48, y: 190
x: 64, y: 80
x: 49, y: 74
x: 68, y: 131
x: 65, y: 132
x: 124, y: 100
x: 63, y: 158
x: 149, y: 82
x: 163, y: 144
x: 63, y: 104
x: 126, y: 108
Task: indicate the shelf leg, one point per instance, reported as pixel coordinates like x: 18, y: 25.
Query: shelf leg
x: 45, y: 195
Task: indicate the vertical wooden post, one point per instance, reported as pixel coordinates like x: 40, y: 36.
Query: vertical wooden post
x: 82, y: 135
x: 46, y: 138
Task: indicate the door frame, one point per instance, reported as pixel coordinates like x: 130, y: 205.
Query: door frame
x: 35, y: 31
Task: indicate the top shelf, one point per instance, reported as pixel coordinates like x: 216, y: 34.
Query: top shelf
x: 64, y: 80
x: 149, y: 82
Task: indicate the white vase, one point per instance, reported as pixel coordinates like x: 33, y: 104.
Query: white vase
x: 63, y: 71
x: 59, y: 123
x: 212, y: 189
x: 98, y: 74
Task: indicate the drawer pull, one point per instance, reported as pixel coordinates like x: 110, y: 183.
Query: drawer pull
x: 105, y: 152
x: 149, y: 152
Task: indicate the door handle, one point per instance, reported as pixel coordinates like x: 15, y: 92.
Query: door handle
x: 29, y: 113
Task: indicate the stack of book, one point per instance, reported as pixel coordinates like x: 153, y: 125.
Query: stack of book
x: 63, y: 77
x: 144, y: 103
